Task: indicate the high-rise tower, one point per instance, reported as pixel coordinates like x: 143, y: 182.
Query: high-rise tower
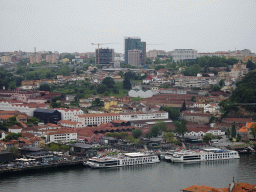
x: 135, y: 43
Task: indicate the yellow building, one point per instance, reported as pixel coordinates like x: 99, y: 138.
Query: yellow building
x: 65, y: 60
x: 109, y: 103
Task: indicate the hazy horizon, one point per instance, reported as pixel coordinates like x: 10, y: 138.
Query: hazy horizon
x: 71, y: 26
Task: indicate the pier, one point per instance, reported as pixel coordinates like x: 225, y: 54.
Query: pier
x: 42, y: 166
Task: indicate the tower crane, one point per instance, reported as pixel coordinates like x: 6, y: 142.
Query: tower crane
x: 99, y: 49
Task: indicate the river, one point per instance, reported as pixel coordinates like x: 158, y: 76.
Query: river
x: 161, y: 177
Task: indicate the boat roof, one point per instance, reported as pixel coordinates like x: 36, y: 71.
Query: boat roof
x: 134, y: 154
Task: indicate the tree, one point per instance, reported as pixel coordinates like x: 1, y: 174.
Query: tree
x: 15, y: 151
x: 207, y: 137
x: 162, y: 125
x: 181, y: 127
x: 102, y: 88
x: 127, y: 84
x: 33, y: 120
x: 54, y: 147
x: 97, y: 103
x: 12, y: 136
x: 253, y: 130
x: 233, y: 131
x: 64, y: 147
x: 169, y: 137
x: 192, y: 70
x: 173, y: 113
x: 136, y: 133
x: 45, y: 87
x: 193, y: 98
x: 250, y: 65
x: 109, y: 82
x: 221, y: 82
x: 228, y: 133
x: 154, y: 131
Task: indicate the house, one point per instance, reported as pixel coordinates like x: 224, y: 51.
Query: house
x: 2, y: 135
x: 68, y: 123
x: 157, y: 115
x: 15, y: 129
x: 147, y: 80
x: 212, y: 108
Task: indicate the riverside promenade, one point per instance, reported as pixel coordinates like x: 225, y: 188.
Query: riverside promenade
x: 43, y: 166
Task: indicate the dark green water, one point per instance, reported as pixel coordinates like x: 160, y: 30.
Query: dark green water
x: 162, y: 177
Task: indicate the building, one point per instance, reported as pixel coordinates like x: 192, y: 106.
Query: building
x: 95, y: 119
x: 67, y: 114
x: 183, y: 54
x: 61, y: 135
x: 135, y: 43
x: 47, y: 115
x: 157, y: 115
x: 5, y: 59
x: 104, y: 56
x: 135, y: 57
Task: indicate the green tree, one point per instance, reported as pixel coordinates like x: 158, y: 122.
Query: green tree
x: 173, y: 112
x: 109, y: 82
x: 33, y: 120
x: 253, y: 130
x: 155, y: 131
x: 169, y: 137
x: 97, y: 103
x: 12, y: 136
x: 228, y: 133
x: 207, y: 137
x: 233, y: 131
x: 221, y: 82
x: 54, y: 147
x: 15, y: 151
x: 127, y: 84
x: 250, y: 65
x: 45, y: 87
x: 64, y: 148
x: 102, y: 88
x: 193, y: 99
x: 181, y: 127
x: 136, y: 133
x: 192, y: 70
x: 162, y: 125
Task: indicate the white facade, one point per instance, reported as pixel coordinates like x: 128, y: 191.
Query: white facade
x: 61, y: 137
x: 211, y: 108
x: 23, y: 108
x: 182, y: 54
x: 141, y: 93
x: 144, y: 116
x: 67, y: 114
x: 95, y: 119
x: 200, y: 134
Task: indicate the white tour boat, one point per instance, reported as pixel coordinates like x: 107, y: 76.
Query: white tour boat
x: 125, y: 159
x: 211, y: 154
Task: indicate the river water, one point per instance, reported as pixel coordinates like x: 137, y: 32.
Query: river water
x: 161, y: 177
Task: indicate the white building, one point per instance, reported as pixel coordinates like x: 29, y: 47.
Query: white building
x: 211, y: 108
x: 182, y: 54
x: 67, y: 114
x: 95, y: 119
x: 61, y: 136
x: 71, y: 124
x: 157, y: 115
x: 27, y: 108
x: 141, y: 93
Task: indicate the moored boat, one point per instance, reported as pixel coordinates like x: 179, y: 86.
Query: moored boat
x: 211, y: 154
x: 126, y: 159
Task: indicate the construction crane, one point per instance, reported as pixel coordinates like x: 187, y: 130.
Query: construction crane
x: 99, y: 49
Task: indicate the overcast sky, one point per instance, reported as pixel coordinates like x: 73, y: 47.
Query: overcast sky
x: 72, y: 25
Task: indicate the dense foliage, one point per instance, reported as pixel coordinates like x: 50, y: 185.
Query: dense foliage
x: 246, y: 91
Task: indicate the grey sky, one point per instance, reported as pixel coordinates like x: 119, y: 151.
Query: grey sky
x: 69, y: 26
